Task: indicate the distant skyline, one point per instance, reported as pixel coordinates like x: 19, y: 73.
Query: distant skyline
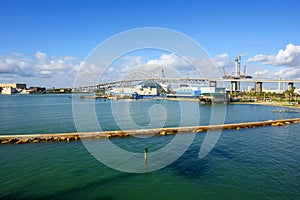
x: 43, y: 43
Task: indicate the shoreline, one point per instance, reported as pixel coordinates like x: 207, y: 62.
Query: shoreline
x: 266, y: 103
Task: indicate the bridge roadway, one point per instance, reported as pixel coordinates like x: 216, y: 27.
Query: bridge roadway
x: 258, y: 80
x: 208, y: 81
x: 160, y: 80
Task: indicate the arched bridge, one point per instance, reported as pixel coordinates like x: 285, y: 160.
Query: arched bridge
x: 211, y: 82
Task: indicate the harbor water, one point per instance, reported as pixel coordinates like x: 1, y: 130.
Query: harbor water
x: 253, y: 163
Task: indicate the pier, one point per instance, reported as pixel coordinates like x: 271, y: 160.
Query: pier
x: 68, y: 137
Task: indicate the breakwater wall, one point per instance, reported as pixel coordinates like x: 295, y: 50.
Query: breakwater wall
x: 68, y: 137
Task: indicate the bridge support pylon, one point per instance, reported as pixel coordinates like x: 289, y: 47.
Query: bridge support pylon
x: 234, y: 86
x: 258, y: 86
x: 290, y: 85
x: 212, y: 83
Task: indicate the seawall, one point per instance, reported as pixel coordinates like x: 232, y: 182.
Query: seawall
x: 68, y: 137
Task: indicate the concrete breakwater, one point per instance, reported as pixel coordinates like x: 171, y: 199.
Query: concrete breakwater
x: 68, y: 137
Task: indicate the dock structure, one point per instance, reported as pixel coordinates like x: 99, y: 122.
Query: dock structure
x: 68, y: 137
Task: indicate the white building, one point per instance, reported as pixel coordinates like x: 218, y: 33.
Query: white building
x: 297, y: 91
x: 8, y: 90
x: 208, y: 90
x: 146, y: 88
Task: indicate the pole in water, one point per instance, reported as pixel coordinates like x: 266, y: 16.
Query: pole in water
x: 145, y: 155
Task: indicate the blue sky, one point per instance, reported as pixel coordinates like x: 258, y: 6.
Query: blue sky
x: 66, y: 31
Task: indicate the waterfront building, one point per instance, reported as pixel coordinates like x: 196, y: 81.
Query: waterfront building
x: 8, y: 90
x: 14, y: 85
x: 273, y: 91
x: 149, y: 88
x: 38, y: 89
x: 145, y: 89
x: 54, y: 90
x: 11, y: 88
x: 209, y: 90
x: 186, y: 91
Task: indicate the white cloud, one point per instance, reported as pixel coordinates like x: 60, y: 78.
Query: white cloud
x: 223, y: 60
x: 41, y: 56
x: 129, y: 67
x: 136, y: 66
x: 169, y: 60
x: 289, y: 58
x: 289, y: 73
x: 262, y: 73
x: 45, y: 72
x: 192, y: 67
x: 39, y: 65
x: 258, y: 58
x: 62, y: 71
x: 173, y: 65
x: 128, y: 63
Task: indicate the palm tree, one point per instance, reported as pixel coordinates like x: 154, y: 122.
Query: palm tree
x: 290, y: 93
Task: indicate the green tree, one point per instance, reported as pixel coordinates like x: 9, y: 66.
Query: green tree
x: 290, y: 94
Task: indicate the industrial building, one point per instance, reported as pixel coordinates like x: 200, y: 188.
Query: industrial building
x: 151, y: 89
x: 186, y: 91
x: 11, y: 88
x: 145, y: 89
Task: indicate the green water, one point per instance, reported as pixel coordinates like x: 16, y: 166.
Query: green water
x: 261, y: 163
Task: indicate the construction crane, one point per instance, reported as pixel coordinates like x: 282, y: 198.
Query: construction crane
x: 237, y: 70
x: 226, y: 74
x: 258, y: 75
x: 243, y: 75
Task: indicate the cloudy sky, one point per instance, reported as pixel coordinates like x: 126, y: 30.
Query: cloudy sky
x: 46, y: 43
